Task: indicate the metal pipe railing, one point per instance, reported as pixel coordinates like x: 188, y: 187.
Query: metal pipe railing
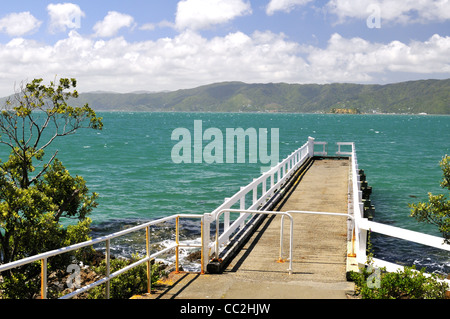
x: 311, y: 213
x: 283, y: 170
x: 283, y: 214
x: 258, y: 212
x: 107, y: 239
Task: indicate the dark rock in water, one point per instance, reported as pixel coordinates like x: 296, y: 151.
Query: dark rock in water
x: 194, y: 256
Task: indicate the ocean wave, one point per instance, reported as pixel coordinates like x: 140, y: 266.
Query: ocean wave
x: 162, y: 236
x: 409, y: 254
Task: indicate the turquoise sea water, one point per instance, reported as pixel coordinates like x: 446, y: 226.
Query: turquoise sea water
x: 129, y: 164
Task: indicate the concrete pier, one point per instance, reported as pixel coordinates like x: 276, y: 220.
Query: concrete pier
x: 319, y: 248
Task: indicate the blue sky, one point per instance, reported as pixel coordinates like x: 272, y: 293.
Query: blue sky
x: 155, y: 45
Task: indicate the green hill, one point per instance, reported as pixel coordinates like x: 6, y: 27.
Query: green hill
x: 425, y: 96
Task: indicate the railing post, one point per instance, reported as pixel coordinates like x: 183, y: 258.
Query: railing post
x: 272, y: 179
x: 149, y: 266
x: 226, y: 219
x: 362, y: 254
x: 242, y: 206
x: 206, y: 239
x: 108, y: 268
x: 202, y: 255
x: 310, y: 146
x: 279, y: 174
x: 280, y: 259
x: 177, y: 250
x: 44, y: 278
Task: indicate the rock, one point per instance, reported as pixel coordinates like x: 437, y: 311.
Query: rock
x: 194, y: 256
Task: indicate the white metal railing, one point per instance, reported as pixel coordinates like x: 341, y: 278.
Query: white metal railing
x: 363, y: 225
x: 267, y: 185
x: 107, y: 239
x: 324, y: 151
x: 283, y: 215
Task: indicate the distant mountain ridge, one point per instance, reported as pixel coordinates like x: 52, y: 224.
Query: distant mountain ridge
x: 423, y: 96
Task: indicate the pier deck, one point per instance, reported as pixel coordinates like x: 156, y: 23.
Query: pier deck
x: 319, y: 248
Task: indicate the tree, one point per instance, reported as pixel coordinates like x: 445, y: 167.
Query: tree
x: 437, y: 210
x: 36, y: 191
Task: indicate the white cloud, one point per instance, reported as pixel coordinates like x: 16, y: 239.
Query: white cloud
x: 112, y: 23
x: 64, y: 16
x: 19, y: 24
x: 358, y: 60
x: 147, y: 27
x: 189, y: 59
x: 284, y: 5
x: 405, y: 11
x: 202, y: 14
x: 183, y: 61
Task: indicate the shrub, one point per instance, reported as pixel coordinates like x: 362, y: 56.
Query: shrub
x: 402, y: 284
x: 127, y: 284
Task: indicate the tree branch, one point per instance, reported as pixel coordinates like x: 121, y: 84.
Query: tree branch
x: 63, y: 207
x: 43, y: 169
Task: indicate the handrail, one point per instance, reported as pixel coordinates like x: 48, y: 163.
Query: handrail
x: 285, y: 169
x: 324, y: 148
x: 363, y: 225
x: 410, y: 235
x: 280, y: 170
x: 44, y: 256
x: 311, y: 213
x: 264, y: 212
x: 283, y: 214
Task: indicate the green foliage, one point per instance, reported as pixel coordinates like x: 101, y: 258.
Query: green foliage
x: 377, y: 283
x: 24, y: 283
x: 437, y: 210
x: 402, y: 284
x: 37, y: 193
x: 127, y: 284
